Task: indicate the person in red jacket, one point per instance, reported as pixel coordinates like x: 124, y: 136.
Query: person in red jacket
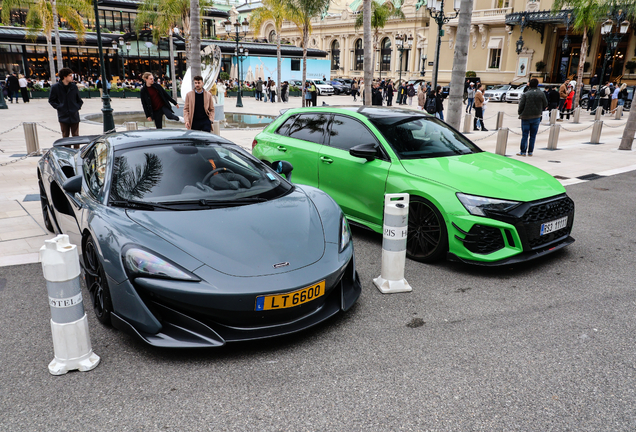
x: 567, y: 106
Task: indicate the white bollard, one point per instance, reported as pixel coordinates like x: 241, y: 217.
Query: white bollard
x: 395, y: 229
x: 502, y: 141
x: 131, y: 126
x: 69, y: 325
x: 553, y: 137
x: 596, y: 132
x: 577, y: 115
x: 619, y: 112
x: 599, y: 112
x: 468, y: 123
x: 500, y: 119
x: 553, y: 116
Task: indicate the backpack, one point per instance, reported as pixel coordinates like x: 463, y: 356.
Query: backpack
x: 431, y: 105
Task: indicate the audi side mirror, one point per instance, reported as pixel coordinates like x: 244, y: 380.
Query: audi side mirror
x: 283, y: 167
x: 365, y: 151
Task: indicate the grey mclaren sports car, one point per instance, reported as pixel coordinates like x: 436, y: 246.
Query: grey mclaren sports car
x: 186, y: 240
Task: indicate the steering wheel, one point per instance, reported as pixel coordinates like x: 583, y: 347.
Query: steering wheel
x: 214, y: 171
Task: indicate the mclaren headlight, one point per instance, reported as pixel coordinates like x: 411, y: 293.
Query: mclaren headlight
x: 345, y: 233
x: 143, y: 263
x: 479, y: 206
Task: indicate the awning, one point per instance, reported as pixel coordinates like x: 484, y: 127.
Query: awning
x: 495, y: 43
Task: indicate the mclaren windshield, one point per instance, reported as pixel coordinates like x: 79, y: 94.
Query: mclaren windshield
x: 421, y: 137
x: 201, y: 174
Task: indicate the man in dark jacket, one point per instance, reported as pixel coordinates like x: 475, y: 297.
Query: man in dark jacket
x: 14, y: 87
x: 553, y: 98
x: 259, y: 89
x: 376, y: 95
x: 531, y: 106
x: 65, y: 98
x: 156, y: 101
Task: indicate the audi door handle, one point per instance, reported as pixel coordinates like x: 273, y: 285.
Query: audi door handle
x: 326, y: 160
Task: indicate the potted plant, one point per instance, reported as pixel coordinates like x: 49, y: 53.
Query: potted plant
x: 540, y: 65
x: 471, y: 74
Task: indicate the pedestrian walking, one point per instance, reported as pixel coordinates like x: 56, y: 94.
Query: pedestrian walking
x: 622, y: 95
x: 470, y: 97
x: 198, y: 109
x: 439, y: 103
x: 389, y: 93
x: 14, y: 87
x: 479, y: 112
x: 308, y: 95
x: 214, y: 91
x: 531, y: 106
x: 65, y: 98
x: 568, y: 103
x: 466, y: 87
x: 614, y: 102
x: 354, y: 90
x: 272, y: 90
x: 553, y: 98
x: 376, y: 95
x: 604, y: 96
x: 259, y: 89
x: 592, y: 100
x: 563, y: 93
x: 284, y: 91
x: 221, y: 89
x: 156, y: 101
x: 401, y: 98
x: 410, y: 93
x: 421, y: 97
x: 314, y: 93
x: 22, y: 81
x: 267, y: 91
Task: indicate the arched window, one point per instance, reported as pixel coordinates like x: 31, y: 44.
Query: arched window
x: 335, y: 55
x: 359, y: 55
x: 271, y: 38
x: 385, y: 54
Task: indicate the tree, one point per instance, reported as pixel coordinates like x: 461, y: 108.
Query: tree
x: 41, y: 18
x: 368, y: 59
x: 301, y: 12
x: 458, y: 76
x: 380, y: 14
x: 195, y: 38
x: 274, y: 10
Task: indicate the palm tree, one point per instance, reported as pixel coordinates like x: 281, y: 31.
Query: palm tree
x: 274, y: 10
x: 195, y: 38
x: 42, y: 17
x: 459, y: 64
x: 380, y: 14
x: 368, y: 64
x: 301, y: 12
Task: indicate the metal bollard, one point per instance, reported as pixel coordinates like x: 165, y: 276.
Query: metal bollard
x: 500, y: 119
x: 216, y: 127
x: 502, y: 141
x: 577, y: 115
x: 596, y: 132
x: 599, y: 112
x: 69, y: 325
x: 619, y: 112
x: 395, y: 229
x: 553, y: 139
x: 131, y: 126
x: 468, y: 123
x: 553, y: 116
x: 31, y: 137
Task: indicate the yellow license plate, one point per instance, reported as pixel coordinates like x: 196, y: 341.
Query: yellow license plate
x: 296, y: 298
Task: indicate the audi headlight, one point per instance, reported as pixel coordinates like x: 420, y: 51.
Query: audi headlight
x: 140, y: 262
x: 478, y: 206
x: 345, y: 233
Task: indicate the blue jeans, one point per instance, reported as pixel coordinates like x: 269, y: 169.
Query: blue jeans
x: 440, y: 115
x: 469, y: 107
x: 529, y: 126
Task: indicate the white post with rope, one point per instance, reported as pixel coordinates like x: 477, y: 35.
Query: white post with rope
x: 31, y: 137
x: 553, y: 116
x: 500, y: 119
x: 577, y: 115
x: 502, y: 141
x: 598, y: 113
x: 69, y: 325
x: 596, y: 132
x: 395, y: 230
x: 468, y: 123
x: 619, y: 112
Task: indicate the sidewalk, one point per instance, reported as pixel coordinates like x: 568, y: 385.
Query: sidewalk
x: 22, y: 231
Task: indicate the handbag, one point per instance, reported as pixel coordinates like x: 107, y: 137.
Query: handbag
x: 431, y: 105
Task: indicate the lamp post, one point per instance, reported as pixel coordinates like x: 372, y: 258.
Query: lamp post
x: 107, y: 111
x: 615, y: 18
x: 239, y: 51
x: 403, y: 43
x: 436, y: 10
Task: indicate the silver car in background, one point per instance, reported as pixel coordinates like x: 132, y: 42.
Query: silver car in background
x: 498, y: 92
x: 515, y: 94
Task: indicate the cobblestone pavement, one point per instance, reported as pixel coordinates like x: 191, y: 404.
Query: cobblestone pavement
x: 22, y: 229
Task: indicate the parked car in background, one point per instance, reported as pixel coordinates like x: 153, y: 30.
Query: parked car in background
x: 323, y: 87
x: 344, y: 82
x: 339, y: 88
x: 513, y: 95
x: 498, y: 93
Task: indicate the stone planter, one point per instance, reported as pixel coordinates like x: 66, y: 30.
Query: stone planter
x: 39, y: 94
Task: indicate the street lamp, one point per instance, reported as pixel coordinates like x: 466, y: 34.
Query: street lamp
x: 121, y: 53
x: 403, y: 43
x: 618, y: 18
x: 436, y: 10
x: 107, y: 111
x: 240, y: 52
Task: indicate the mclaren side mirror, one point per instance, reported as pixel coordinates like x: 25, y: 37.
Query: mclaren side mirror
x: 365, y: 151
x: 73, y: 185
x: 283, y: 167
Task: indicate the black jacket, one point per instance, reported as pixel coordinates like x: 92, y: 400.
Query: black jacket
x: 146, y: 102
x: 14, y: 84
x: 67, y: 101
x: 554, y: 96
x: 376, y: 97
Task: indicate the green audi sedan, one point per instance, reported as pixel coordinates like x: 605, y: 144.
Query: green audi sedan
x: 465, y: 204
